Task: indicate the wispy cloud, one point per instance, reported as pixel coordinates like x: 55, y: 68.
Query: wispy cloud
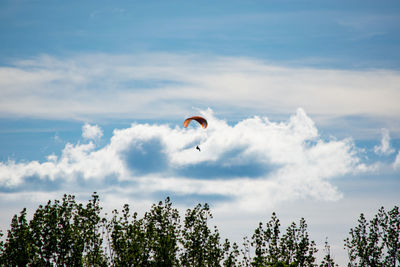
x: 396, y: 163
x: 253, y: 163
x: 384, y: 148
x: 134, y: 86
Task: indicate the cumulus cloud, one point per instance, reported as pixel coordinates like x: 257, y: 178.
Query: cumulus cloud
x: 91, y: 132
x: 384, y: 148
x: 254, y: 163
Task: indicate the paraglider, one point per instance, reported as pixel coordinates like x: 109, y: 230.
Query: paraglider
x: 200, y: 120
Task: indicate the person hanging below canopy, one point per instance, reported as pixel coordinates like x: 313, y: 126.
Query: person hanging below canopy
x: 202, y: 121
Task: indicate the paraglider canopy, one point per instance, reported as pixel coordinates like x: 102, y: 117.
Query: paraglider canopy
x: 201, y: 120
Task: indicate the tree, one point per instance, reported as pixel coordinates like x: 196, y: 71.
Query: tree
x: 201, y: 246
x: 357, y: 246
x: 87, y: 223
x: 231, y: 254
x: 375, y: 243
x: 53, y: 233
x: 327, y: 261
x: 390, y: 222
x: 1, y: 245
x: 266, y: 242
x: 60, y: 233
x: 162, y: 225
x: 128, y: 240
x: 305, y: 248
x: 67, y: 233
x: 18, y: 249
x: 294, y: 248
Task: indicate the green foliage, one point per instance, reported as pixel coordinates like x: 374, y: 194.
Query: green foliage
x: 1, y: 244
x: 18, y: 248
x: 67, y: 233
x: 377, y: 242
x: 327, y: 261
x: 162, y: 232
x: 129, y: 243
x: 390, y: 223
x: 294, y: 248
x: 202, y: 246
x: 60, y: 233
x: 231, y: 254
x: 52, y: 233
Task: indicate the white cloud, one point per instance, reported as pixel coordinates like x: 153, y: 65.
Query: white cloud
x: 255, y: 162
x: 384, y: 148
x: 396, y: 163
x: 135, y: 86
x: 91, y: 132
x: 252, y: 168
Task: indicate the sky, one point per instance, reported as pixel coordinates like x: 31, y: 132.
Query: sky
x: 301, y: 97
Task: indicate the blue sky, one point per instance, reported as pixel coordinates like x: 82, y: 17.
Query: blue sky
x: 341, y: 33
x: 301, y: 98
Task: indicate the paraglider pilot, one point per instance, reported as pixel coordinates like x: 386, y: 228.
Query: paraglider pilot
x: 200, y: 120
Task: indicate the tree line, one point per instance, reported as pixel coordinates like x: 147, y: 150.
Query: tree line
x: 67, y: 233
